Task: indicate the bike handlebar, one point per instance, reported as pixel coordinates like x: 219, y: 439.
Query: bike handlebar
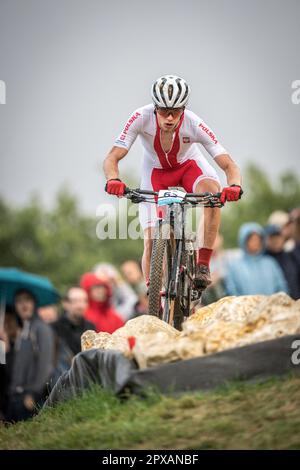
x: 147, y: 192
x: 208, y: 199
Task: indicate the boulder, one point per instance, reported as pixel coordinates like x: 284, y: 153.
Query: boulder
x: 230, y: 322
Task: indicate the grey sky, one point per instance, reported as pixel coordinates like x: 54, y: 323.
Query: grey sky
x: 75, y: 69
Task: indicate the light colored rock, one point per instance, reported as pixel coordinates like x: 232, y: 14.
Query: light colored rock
x: 146, y: 324
x: 236, y: 309
x: 159, y: 348
x: 237, y: 321
x: 143, y: 325
x: 91, y: 339
x: 228, y: 323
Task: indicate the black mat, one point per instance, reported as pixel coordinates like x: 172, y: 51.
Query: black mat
x: 113, y: 371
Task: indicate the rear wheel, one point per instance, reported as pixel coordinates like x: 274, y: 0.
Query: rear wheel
x: 182, y: 306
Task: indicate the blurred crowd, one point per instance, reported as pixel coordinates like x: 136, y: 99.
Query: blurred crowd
x: 266, y: 261
x: 40, y: 343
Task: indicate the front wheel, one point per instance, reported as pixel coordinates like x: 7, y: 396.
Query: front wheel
x: 160, y: 270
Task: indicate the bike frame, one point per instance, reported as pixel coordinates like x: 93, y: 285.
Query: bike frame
x: 173, y: 214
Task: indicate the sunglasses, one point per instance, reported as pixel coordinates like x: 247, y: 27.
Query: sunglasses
x: 175, y: 112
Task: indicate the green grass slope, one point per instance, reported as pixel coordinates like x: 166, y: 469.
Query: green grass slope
x: 239, y: 416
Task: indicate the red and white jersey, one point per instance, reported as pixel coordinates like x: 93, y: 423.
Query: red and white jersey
x: 191, y: 130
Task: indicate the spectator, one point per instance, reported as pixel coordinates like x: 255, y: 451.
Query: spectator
x: 255, y: 272
x: 49, y: 313
x: 9, y: 334
x: 72, y: 324
x: 284, y: 222
x: 123, y: 296
x: 132, y: 273
x: 295, y: 219
x: 99, y: 310
x: 33, y: 360
x: 3, y: 376
x: 286, y: 260
x: 68, y: 330
x: 142, y: 304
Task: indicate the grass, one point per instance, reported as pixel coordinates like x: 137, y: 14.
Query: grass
x: 237, y: 416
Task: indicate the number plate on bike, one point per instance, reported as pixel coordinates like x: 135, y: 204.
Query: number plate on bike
x: 169, y: 196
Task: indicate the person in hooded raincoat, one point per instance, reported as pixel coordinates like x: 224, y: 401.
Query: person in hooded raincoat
x: 254, y: 272
x: 100, y: 310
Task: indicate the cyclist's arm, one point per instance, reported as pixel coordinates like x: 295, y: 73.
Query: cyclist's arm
x: 111, y: 162
x: 206, y: 136
x: 122, y: 145
x: 230, y: 168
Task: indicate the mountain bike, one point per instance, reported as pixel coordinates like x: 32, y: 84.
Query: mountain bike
x: 173, y: 259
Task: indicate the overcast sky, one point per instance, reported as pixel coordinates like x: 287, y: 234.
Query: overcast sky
x: 75, y: 69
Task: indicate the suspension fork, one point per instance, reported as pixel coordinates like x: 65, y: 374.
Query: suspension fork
x: 179, y: 240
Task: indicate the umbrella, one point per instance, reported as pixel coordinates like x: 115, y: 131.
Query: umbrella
x: 12, y: 279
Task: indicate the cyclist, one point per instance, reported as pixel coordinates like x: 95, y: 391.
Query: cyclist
x: 170, y: 133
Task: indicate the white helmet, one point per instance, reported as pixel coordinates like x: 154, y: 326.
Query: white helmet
x: 170, y: 91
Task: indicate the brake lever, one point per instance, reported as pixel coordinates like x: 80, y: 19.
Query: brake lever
x: 134, y: 197
x: 137, y: 199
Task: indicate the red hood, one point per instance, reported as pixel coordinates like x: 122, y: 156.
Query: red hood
x: 89, y: 280
x: 102, y: 314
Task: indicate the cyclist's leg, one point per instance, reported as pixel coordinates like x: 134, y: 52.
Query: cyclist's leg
x: 204, y: 179
x: 212, y: 215
x: 201, y: 177
x: 153, y: 179
x: 147, y: 217
x: 146, y: 258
